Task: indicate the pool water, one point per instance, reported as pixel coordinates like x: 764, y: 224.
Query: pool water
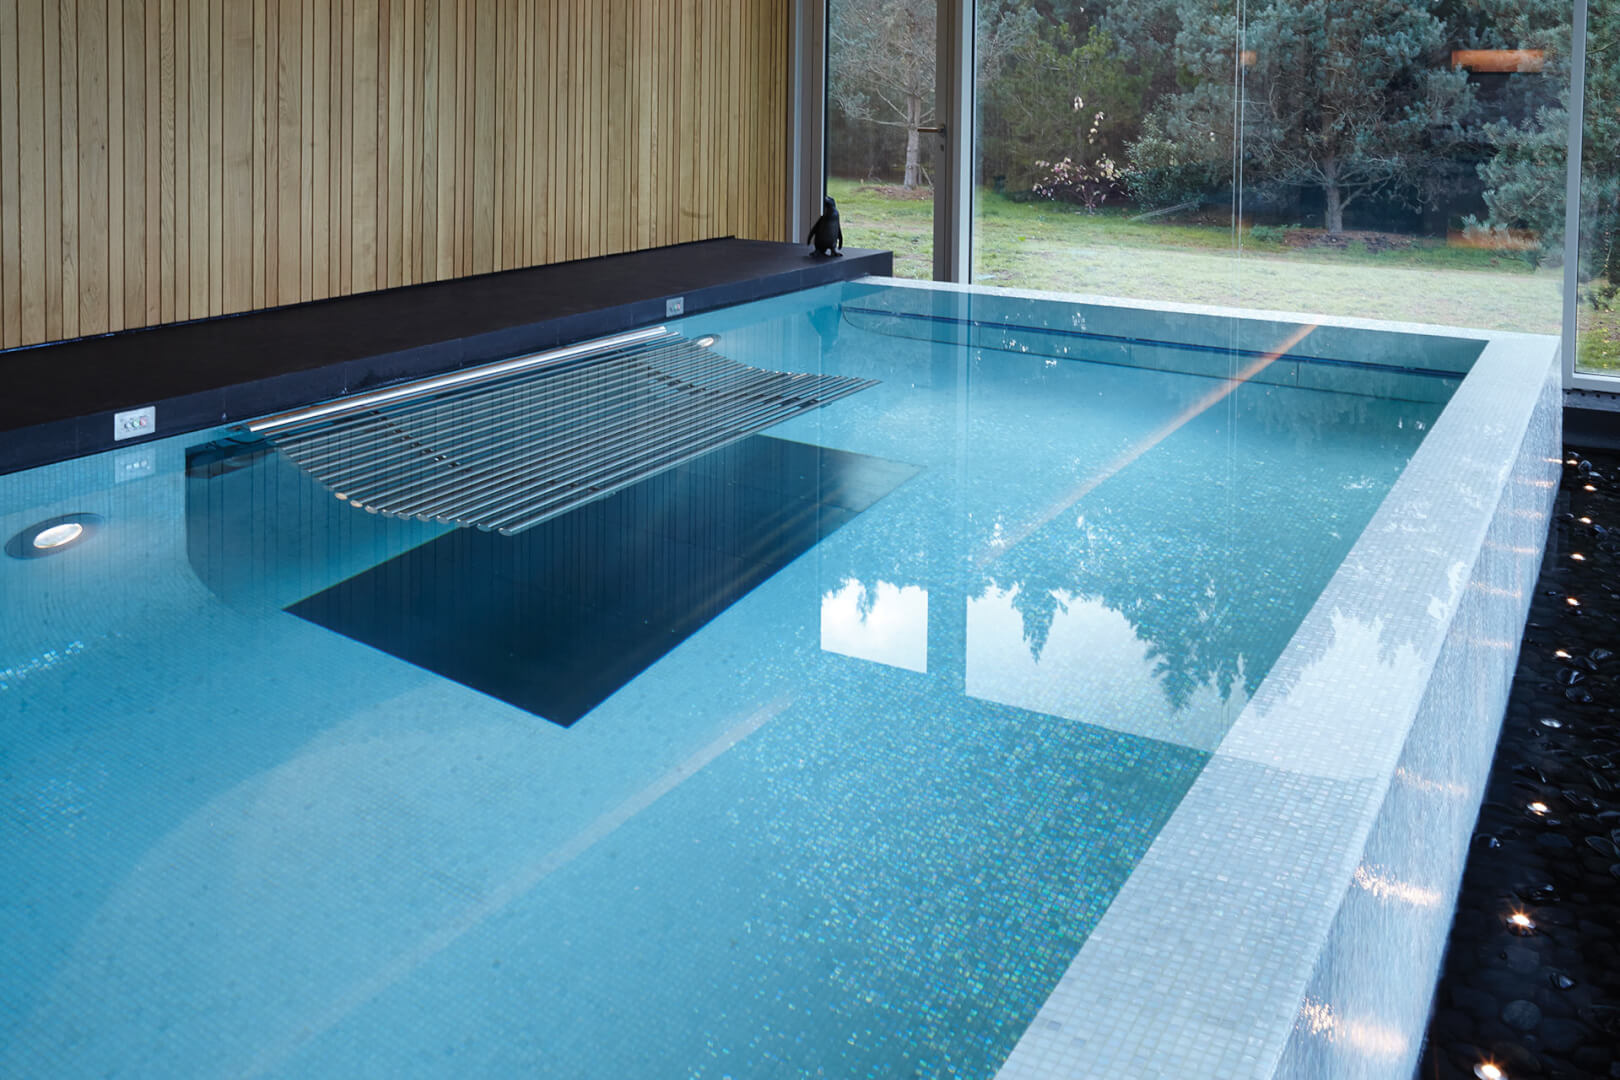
x: 850, y: 812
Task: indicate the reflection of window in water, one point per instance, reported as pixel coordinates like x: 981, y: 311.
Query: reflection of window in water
x: 1074, y: 656
x: 885, y: 623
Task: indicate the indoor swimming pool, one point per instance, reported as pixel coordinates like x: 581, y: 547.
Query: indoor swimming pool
x: 1038, y: 690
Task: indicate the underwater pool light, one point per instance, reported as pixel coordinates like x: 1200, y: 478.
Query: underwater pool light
x: 1561, y: 654
x: 52, y: 536
x: 58, y: 535
x: 1586, y: 521
x: 1571, y: 601
x: 1577, y: 556
x: 708, y: 340
x: 1538, y: 808
x: 1588, y: 487
x: 1521, y: 923
x: 1485, y: 1070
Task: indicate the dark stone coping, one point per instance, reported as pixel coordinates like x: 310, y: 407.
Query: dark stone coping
x: 59, y: 398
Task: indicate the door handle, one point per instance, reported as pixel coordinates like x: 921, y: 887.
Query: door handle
x: 931, y: 130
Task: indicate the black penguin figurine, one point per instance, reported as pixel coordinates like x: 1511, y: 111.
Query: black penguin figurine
x: 827, y: 235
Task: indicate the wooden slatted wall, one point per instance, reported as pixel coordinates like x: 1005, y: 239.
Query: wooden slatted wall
x: 170, y: 159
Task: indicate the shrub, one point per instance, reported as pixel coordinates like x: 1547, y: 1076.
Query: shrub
x: 1163, y: 172
x: 1271, y: 234
x: 1081, y: 184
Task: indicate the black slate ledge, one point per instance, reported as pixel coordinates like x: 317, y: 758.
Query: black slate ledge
x: 58, y: 399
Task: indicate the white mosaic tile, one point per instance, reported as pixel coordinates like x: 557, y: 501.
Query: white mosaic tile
x: 1273, y: 876
x: 1289, y: 919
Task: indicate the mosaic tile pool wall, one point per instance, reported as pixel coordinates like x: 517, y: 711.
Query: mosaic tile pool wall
x: 998, y: 771
x: 1369, y: 998
x: 1289, y: 919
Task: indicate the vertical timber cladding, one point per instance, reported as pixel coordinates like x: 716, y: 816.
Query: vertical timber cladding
x: 171, y: 159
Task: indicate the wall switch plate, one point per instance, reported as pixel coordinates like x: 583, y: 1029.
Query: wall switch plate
x: 134, y: 423
x: 674, y: 307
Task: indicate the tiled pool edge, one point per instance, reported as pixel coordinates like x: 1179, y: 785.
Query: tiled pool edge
x: 1363, y: 1014
x: 1204, y: 960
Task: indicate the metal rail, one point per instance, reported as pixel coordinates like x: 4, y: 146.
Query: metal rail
x: 483, y: 373
x: 509, y: 446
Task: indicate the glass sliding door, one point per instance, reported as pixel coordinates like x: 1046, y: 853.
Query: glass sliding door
x: 1391, y: 159
x: 1104, y: 156
x: 1597, y: 278
x: 1087, y: 179
x: 1397, y: 162
x: 882, y: 124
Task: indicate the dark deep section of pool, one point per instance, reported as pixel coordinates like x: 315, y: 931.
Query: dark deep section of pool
x: 557, y: 618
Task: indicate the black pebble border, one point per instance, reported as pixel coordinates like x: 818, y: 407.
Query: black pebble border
x: 1545, y: 1001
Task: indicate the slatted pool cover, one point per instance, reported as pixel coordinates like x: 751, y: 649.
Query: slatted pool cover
x: 533, y: 441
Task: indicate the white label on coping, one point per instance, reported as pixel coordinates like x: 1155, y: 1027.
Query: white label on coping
x: 134, y: 423
x: 674, y: 307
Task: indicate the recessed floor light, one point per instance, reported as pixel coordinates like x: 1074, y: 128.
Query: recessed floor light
x: 53, y: 536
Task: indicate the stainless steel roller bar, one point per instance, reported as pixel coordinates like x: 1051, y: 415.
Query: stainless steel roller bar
x: 510, y: 445
x: 672, y: 430
x: 665, y: 424
x: 557, y: 440
x: 353, y: 469
x: 300, y: 441
x: 422, y: 387
x: 529, y: 515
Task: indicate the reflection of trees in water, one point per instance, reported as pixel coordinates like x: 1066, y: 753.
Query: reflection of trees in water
x: 1215, y: 580
x: 1038, y: 608
x: 1174, y: 585
x: 1213, y: 545
x: 908, y: 550
x: 866, y: 594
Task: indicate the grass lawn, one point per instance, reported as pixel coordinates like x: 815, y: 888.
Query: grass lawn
x: 1045, y: 245
x: 1597, y: 338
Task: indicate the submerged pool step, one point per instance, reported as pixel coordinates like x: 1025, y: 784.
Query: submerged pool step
x: 509, y: 446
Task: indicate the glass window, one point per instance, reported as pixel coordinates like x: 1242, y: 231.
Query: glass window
x: 1598, y: 274
x: 880, y: 97
x: 1079, y: 186
x: 1393, y: 160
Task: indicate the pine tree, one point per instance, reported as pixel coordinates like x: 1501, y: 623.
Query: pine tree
x: 1353, y: 99
x: 1525, y: 176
